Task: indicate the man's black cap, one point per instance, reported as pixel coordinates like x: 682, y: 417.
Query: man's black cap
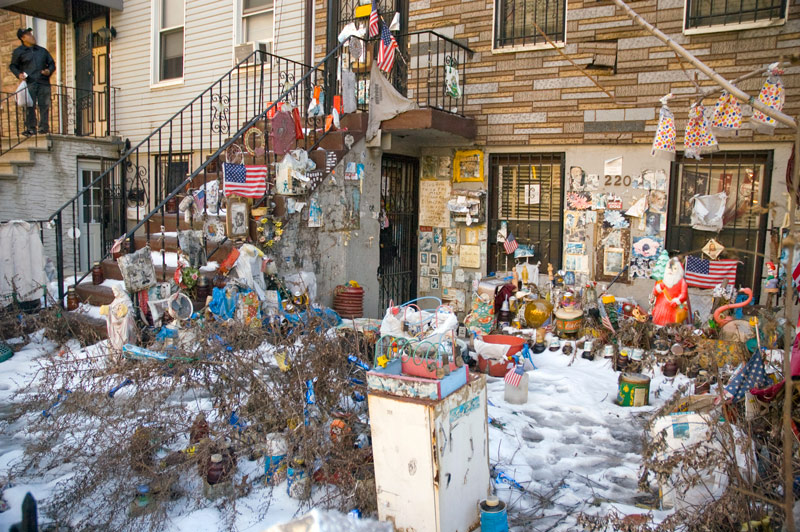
x: 23, y: 31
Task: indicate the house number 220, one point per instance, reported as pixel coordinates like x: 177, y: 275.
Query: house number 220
x: 618, y: 180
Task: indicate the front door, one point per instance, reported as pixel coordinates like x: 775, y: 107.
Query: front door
x: 91, y: 76
x: 91, y: 213
x: 397, y: 273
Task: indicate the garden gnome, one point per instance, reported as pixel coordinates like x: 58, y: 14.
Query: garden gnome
x: 670, y: 297
x: 119, y: 319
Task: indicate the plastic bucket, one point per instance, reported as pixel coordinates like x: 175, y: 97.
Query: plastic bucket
x: 499, y: 369
x: 634, y: 390
x: 276, y: 448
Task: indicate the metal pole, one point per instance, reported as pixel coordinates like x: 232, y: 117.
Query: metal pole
x: 60, y: 259
x: 705, y: 69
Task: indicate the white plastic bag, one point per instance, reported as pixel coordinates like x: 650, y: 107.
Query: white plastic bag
x: 23, y: 95
x: 707, y: 211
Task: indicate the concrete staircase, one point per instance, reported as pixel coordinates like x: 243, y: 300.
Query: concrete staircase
x: 23, y: 155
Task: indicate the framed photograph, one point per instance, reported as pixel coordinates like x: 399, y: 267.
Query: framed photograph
x: 613, y: 261
x: 434, y: 283
x: 468, y: 166
x: 433, y: 271
x: 423, y: 258
x: 423, y: 271
x: 433, y: 259
x: 237, y: 222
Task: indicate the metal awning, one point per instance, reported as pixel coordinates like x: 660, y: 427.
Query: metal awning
x: 52, y: 9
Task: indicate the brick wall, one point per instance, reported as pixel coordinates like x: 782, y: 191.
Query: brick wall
x: 536, y: 96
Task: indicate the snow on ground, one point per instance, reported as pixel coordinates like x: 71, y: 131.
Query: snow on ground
x: 570, y: 439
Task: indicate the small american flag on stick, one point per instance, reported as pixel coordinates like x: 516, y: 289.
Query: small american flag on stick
x: 514, y: 376
x: 386, y: 50
x: 373, y: 20
x: 510, y: 244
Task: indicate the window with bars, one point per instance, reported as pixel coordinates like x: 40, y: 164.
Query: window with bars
x: 516, y: 22
x: 526, y: 192
x: 707, y: 13
x: 172, y: 170
x: 745, y: 178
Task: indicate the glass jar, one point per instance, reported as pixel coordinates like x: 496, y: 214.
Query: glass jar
x: 72, y: 299
x: 97, y: 274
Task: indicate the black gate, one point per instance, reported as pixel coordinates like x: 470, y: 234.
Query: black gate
x: 397, y: 273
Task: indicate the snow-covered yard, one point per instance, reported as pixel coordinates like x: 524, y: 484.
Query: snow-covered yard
x: 570, y: 444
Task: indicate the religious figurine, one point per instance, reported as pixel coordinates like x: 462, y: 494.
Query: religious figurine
x: 119, y: 319
x: 772, y: 278
x: 670, y: 297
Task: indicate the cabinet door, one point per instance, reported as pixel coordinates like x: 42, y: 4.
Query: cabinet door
x: 401, y: 445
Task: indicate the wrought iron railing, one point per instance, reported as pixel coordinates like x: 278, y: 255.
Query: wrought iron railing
x: 430, y: 69
x: 74, y: 112
x: 187, y: 151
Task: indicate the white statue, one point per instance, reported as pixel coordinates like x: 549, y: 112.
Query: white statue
x: 119, y: 319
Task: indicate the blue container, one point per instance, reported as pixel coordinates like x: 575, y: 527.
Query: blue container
x: 494, y: 517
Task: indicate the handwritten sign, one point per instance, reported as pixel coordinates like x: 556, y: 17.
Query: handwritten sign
x: 469, y: 256
x: 433, y: 196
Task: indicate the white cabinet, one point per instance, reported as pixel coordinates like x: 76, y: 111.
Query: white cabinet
x: 431, y: 458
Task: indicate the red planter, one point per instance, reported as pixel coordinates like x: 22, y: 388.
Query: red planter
x: 348, y: 301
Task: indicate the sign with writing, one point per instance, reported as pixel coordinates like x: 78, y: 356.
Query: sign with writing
x: 433, y: 196
x: 469, y: 256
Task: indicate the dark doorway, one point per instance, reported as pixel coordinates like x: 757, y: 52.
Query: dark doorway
x: 397, y: 273
x: 91, y: 96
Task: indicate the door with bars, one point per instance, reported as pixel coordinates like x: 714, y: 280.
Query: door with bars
x: 397, y: 273
x: 525, y: 190
x: 745, y: 178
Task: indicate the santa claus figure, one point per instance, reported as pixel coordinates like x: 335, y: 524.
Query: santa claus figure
x: 670, y: 298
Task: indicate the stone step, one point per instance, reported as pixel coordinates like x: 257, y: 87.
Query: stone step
x: 111, y: 269
x: 94, y: 294
x: 171, y: 244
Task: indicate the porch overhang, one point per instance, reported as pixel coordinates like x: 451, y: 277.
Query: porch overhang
x: 57, y: 11
x: 431, y: 125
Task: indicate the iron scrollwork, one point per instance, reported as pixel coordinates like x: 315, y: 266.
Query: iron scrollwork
x: 220, y: 116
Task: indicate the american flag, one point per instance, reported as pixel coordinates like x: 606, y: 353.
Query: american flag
x: 796, y: 275
x: 704, y: 273
x: 247, y: 181
x: 510, y: 244
x: 386, y: 50
x: 749, y: 376
x: 604, y: 318
x: 514, y: 376
x: 373, y: 20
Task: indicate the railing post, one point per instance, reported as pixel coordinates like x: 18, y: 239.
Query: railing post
x: 60, y: 258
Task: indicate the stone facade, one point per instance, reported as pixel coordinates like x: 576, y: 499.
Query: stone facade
x: 534, y: 96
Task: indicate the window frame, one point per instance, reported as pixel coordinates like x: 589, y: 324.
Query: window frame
x: 496, y: 49
x: 155, y: 45
x: 675, y: 227
x: 739, y: 26
x: 239, y: 27
x: 496, y: 161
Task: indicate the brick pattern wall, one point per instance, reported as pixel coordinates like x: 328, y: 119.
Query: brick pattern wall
x: 537, y: 96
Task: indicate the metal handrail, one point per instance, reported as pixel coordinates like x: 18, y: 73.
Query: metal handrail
x: 201, y: 169
x: 166, y: 124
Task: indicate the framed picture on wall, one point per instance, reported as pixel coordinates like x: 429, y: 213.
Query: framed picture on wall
x: 468, y: 166
x: 613, y: 253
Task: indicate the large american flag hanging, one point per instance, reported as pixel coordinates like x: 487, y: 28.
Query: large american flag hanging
x: 703, y: 273
x: 386, y: 50
x: 247, y: 181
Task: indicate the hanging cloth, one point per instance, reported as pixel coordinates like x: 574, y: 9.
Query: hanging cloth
x: 727, y: 115
x: 771, y: 95
x: 698, y: 139
x: 664, y: 141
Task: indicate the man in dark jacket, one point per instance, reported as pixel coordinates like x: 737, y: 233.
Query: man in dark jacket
x: 34, y: 64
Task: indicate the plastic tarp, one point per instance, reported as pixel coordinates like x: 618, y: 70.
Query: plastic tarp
x: 21, y: 261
